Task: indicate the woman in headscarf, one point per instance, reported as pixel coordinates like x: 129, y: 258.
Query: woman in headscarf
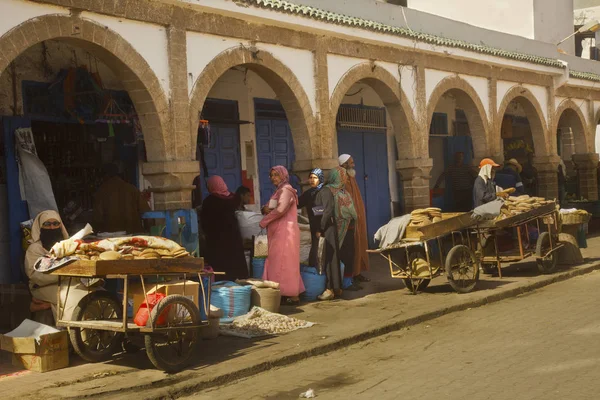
x: 283, y: 234
x: 316, y: 180
x: 48, y: 229
x: 224, y: 244
x: 337, y: 226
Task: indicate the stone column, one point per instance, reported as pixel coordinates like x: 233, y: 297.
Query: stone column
x: 587, y: 171
x: 172, y: 178
x: 547, y: 168
x: 415, y: 175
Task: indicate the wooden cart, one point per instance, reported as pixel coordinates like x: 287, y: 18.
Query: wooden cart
x: 100, y: 325
x: 412, y: 261
x: 544, y: 251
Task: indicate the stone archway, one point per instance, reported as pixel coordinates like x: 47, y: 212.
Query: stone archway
x: 395, y: 101
x: 414, y: 169
x: 539, y: 128
x: 470, y: 102
x: 546, y: 160
x: 570, y: 125
x: 280, y: 78
x: 569, y: 115
x: 128, y: 65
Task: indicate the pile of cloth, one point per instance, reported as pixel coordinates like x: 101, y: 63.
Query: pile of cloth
x: 425, y: 216
x: 517, y: 205
x: 260, y: 322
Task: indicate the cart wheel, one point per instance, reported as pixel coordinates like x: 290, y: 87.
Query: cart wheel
x: 177, y: 320
x: 421, y: 286
x: 548, y: 264
x: 462, y: 269
x: 95, y: 345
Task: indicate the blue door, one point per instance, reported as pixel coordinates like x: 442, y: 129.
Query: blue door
x: 17, y: 208
x: 223, y: 156
x: 274, y: 144
x: 369, y: 151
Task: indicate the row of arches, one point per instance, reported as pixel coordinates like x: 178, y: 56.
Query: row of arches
x: 152, y: 103
x: 313, y: 133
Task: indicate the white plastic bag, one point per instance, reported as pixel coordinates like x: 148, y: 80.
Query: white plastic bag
x: 249, y: 223
x: 34, y: 180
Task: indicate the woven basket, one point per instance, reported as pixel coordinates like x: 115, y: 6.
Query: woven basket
x: 574, y: 218
x: 266, y: 298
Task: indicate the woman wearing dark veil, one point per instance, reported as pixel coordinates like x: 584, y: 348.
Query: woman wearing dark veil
x: 224, y: 244
x: 316, y: 180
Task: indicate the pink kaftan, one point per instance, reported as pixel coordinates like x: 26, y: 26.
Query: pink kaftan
x: 283, y: 234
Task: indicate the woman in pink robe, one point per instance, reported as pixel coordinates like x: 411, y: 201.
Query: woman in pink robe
x: 283, y: 234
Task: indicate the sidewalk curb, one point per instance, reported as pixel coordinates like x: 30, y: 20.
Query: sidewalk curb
x: 190, y: 386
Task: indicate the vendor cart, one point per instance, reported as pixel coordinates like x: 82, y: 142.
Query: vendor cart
x: 544, y: 249
x: 413, y: 261
x: 99, y: 324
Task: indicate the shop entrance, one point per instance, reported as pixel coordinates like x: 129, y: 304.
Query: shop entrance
x: 75, y: 129
x: 274, y: 144
x: 222, y: 154
x: 368, y: 148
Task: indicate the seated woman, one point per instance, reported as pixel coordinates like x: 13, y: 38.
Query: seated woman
x: 224, y: 245
x: 48, y: 229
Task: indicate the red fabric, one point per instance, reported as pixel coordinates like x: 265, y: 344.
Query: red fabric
x: 218, y: 187
x: 143, y: 313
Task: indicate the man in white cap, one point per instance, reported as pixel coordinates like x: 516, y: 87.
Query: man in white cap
x: 361, y: 245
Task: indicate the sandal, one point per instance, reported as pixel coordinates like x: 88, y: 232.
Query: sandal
x: 287, y: 301
x: 327, y: 295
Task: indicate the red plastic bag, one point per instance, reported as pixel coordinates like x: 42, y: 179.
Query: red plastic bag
x: 143, y: 313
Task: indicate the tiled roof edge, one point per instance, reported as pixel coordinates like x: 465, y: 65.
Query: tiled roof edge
x: 340, y: 19
x: 588, y: 76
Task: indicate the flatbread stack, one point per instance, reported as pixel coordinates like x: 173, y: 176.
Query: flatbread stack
x: 130, y: 249
x: 521, y: 204
x: 425, y: 216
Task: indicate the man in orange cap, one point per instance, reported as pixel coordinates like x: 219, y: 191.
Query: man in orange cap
x: 484, y: 189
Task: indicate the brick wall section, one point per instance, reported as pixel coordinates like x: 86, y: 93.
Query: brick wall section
x: 547, y: 168
x: 587, y: 170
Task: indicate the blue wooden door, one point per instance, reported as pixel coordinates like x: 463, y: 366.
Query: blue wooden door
x: 223, y: 156
x: 274, y: 146
x: 369, y: 151
x: 17, y: 208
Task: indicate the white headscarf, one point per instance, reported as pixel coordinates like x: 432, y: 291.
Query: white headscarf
x: 486, y: 172
x: 343, y: 158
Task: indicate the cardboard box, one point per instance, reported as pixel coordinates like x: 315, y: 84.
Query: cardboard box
x: 192, y: 290
x: 42, y: 363
x: 37, y: 347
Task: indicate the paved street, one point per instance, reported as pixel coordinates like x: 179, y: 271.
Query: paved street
x: 541, y: 345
